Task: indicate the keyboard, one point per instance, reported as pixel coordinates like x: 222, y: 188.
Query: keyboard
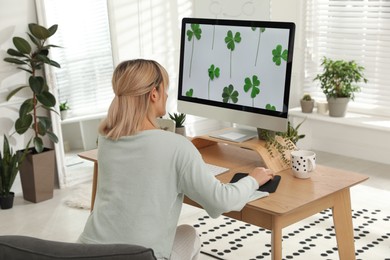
x: 215, y: 169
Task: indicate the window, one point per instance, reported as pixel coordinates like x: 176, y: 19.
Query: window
x: 352, y: 30
x: 84, y: 80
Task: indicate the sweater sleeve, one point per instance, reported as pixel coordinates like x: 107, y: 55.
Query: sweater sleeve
x: 215, y: 197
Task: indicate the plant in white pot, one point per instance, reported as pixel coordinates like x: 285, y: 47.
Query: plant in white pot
x: 37, y: 171
x: 179, y: 119
x: 339, y: 83
x: 64, y: 108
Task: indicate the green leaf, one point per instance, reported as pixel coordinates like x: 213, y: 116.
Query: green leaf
x: 52, y: 29
x: 22, y: 45
x: 38, y: 144
x: 47, y: 99
x: 52, y: 137
x: 34, y: 40
x: 15, y: 53
x: 41, y: 128
x: 254, y: 84
x: 46, y: 121
x: 194, y: 31
x: 37, y: 84
x: 22, y: 124
x: 190, y: 92
x: 278, y: 55
x: 197, y: 31
x: 15, y: 61
x: 26, y: 107
x: 229, y: 94
x: 13, y: 92
x: 214, y: 72
x: 54, y: 64
x: 270, y: 107
x: 38, y: 31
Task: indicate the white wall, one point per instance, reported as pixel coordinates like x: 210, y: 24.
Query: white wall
x: 15, y: 15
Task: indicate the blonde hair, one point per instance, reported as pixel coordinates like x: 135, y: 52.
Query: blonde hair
x: 132, y: 83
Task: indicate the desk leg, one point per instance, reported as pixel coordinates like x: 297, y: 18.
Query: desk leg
x: 94, y: 184
x: 276, y: 239
x: 342, y: 218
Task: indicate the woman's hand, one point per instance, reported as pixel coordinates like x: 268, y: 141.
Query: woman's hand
x: 262, y: 175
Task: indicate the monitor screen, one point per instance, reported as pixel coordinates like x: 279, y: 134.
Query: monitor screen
x: 236, y: 71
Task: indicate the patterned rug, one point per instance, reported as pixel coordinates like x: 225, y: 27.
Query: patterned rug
x: 312, y: 238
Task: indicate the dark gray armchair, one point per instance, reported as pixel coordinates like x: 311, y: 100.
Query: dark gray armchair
x: 24, y: 247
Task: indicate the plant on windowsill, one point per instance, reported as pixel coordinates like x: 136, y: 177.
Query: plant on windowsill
x: 282, y: 143
x: 64, y: 107
x: 339, y: 83
x: 33, y: 113
x: 179, y: 119
x: 10, y: 162
x: 307, y: 103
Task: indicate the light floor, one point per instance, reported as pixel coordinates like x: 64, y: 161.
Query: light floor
x: 54, y: 220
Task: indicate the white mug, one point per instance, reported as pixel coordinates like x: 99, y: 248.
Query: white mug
x: 303, y: 163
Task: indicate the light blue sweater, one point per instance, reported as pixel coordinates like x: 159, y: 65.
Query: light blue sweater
x: 141, y: 185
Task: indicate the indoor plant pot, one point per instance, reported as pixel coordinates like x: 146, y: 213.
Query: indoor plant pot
x: 34, y: 111
x: 337, y: 106
x: 7, y: 201
x: 37, y: 175
x: 339, y: 80
x: 179, y: 119
x: 307, y: 104
x: 10, y: 163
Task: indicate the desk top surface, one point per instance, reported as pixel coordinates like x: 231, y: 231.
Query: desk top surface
x: 292, y: 192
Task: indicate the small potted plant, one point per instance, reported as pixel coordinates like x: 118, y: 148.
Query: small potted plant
x: 10, y: 162
x: 307, y: 103
x: 339, y: 83
x: 64, y: 107
x: 179, y: 119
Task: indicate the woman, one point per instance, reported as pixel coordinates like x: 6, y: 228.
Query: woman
x: 144, y: 172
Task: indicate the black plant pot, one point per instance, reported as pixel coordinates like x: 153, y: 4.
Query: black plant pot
x: 7, y: 202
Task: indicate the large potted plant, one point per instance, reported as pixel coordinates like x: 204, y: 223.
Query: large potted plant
x: 38, y: 169
x: 339, y: 83
x: 10, y: 162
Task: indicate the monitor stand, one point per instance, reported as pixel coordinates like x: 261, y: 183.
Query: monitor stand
x: 236, y: 135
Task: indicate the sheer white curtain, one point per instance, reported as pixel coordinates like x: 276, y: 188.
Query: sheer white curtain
x: 353, y: 30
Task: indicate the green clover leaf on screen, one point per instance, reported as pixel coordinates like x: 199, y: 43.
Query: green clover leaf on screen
x: 278, y: 55
x: 229, y: 94
x: 190, y: 92
x: 252, y: 85
x: 231, y: 41
x: 213, y: 73
x: 270, y: 107
x: 194, y: 33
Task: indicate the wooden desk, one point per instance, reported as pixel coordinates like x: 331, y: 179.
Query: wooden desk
x: 91, y: 155
x: 294, y: 200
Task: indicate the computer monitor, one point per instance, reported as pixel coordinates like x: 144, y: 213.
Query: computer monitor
x: 236, y: 71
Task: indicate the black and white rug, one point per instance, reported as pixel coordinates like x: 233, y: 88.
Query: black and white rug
x: 312, y: 238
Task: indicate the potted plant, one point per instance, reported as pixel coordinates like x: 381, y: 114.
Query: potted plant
x: 339, y: 83
x: 282, y: 143
x: 179, y: 119
x: 64, y: 107
x: 33, y: 113
x: 10, y: 162
x: 307, y: 103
